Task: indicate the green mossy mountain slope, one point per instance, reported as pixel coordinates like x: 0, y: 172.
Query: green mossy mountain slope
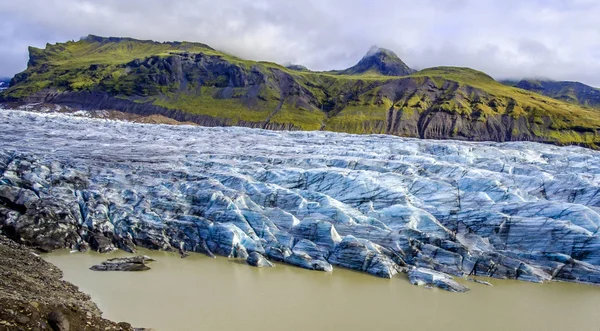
x: 572, y: 92
x: 193, y: 82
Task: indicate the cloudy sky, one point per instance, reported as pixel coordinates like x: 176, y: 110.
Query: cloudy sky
x: 557, y: 39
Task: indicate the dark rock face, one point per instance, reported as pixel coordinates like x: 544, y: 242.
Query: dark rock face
x: 102, y: 100
x: 258, y: 260
x: 380, y: 61
x: 135, y: 263
x: 58, y: 321
x: 100, y: 243
x: 37, y: 227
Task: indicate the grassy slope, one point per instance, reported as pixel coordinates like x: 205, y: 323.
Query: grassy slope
x: 572, y: 92
x: 526, y: 103
x: 309, y: 101
x: 469, y: 93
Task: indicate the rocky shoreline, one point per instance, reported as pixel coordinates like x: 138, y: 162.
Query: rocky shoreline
x: 33, y: 296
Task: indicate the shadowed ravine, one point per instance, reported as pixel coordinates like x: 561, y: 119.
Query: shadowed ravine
x: 376, y: 204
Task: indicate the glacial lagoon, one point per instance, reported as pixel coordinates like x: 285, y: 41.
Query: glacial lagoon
x: 201, y: 293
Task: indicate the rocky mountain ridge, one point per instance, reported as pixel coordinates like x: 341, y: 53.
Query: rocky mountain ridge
x: 379, y: 61
x: 193, y: 82
x: 572, y: 92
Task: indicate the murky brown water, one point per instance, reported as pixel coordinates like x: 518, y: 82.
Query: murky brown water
x: 200, y: 293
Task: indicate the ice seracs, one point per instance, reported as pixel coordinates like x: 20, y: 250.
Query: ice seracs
x: 317, y: 200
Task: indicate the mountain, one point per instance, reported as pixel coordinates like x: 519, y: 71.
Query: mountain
x: 573, y: 92
x: 196, y: 83
x: 297, y: 67
x: 379, y: 61
x: 4, y: 82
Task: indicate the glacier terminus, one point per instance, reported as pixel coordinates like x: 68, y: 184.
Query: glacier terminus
x: 317, y: 200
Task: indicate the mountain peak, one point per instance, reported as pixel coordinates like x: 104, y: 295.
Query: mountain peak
x: 376, y: 50
x: 380, y: 61
x: 296, y: 67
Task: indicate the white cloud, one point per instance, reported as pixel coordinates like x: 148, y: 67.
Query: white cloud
x: 558, y: 39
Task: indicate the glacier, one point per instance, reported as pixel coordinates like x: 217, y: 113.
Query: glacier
x: 318, y: 200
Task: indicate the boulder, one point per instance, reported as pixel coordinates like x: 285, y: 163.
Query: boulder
x: 100, y: 243
x: 134, y: 263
